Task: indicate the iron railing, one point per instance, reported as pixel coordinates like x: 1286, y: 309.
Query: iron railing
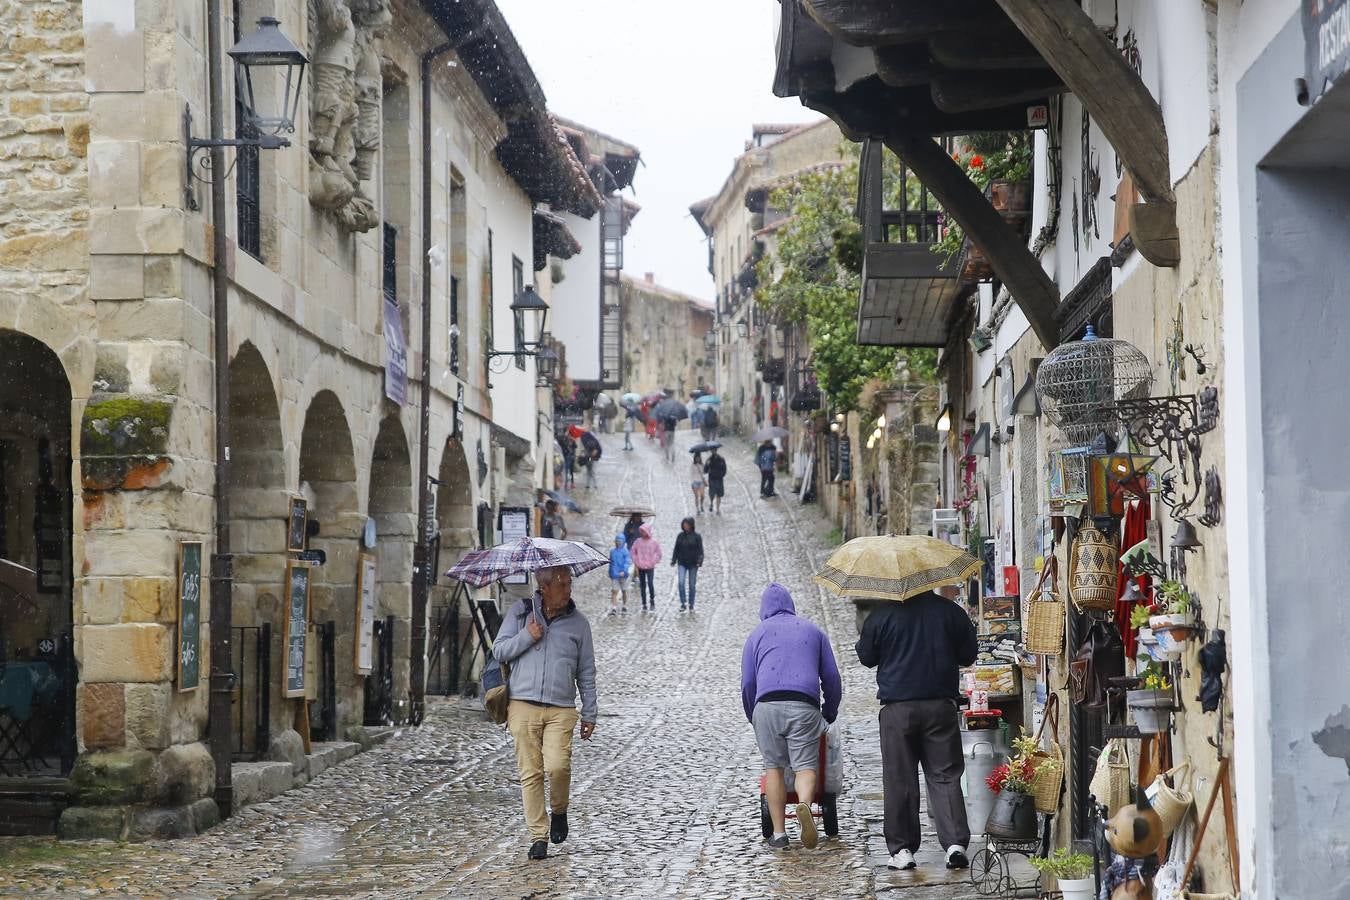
x: 380, y: 682
x: 252, y: 649
x: 323, y: 712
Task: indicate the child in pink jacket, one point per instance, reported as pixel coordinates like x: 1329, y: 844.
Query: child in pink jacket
x: 646, y: 557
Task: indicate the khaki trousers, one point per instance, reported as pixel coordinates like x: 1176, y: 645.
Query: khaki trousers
x: 543, y: 736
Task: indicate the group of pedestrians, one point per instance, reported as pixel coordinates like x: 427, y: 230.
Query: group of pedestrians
x: 641, y: 557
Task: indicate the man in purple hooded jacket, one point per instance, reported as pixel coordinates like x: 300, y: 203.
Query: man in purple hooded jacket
x: 786, y: 666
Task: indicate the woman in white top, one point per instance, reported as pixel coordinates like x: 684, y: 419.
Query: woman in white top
x: 696, y: 480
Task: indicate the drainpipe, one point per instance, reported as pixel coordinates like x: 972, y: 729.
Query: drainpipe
x: 220, y: 724
x: 422, y: 578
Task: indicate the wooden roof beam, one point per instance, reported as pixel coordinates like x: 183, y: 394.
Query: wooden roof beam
x: 872, y: 23
x: 1100, y: 77
x: 1013, y: 263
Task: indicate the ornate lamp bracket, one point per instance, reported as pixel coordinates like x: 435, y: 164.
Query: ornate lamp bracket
x: 1172, y: 427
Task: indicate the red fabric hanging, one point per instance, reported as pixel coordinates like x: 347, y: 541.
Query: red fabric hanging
x: 1134, y: 530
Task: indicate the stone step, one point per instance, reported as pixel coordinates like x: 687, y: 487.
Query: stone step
x: 258, y: 781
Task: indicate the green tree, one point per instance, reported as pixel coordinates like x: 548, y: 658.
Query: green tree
x: 813, y: 278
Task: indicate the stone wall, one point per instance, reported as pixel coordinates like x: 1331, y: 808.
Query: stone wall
x: 663, y: 339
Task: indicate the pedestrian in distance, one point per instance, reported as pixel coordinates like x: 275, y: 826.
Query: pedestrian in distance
x: 918, y: 648
x: 620, y: 561
x: 569, y: 449
x: 552, y: 524
x: 767, y: 459
x: 646, y: 554
x: 628, y: 431
x: 547, y: 643
x: 696, y: 483
x: 632, y: 529
x: 688, y: 557
x: 716, y: 470
x: 708, y: 427
x: 787, y: 666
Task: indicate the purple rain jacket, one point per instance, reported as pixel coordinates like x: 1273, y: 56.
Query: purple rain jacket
x: 787, y: 653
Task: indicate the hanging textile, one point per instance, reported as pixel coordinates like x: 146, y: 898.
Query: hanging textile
x: 1135, y: 529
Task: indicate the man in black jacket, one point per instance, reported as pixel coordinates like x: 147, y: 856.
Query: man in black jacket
x: 917, y: 648
x: 716, y: 470
x: 688, y: 556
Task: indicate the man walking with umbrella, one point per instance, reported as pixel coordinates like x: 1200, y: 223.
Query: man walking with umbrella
x: 917, y: 646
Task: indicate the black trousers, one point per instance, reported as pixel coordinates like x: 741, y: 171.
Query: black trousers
x: 766, y: 482
x: 922, y: 733
x: 647, y: 584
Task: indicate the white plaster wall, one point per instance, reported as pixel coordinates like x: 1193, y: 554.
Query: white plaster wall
x: 510, y: 216
x: 575, y: 317
x: 1172, y: 38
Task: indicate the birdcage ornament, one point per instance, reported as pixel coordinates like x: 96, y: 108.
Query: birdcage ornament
x: 1079, y: 383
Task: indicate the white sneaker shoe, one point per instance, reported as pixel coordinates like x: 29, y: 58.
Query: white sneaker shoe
x: 956, y: 857
x: 904, y: 860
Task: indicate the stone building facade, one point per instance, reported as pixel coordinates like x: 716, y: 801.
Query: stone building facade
x: 107, y: 405
x: 664, y: 342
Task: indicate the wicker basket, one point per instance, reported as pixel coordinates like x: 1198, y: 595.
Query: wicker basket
x: 1093, y: 574
x: 1044, y: 626
x: 1111, y: 781
x: 1048, y: 783
x: 1172, y: 803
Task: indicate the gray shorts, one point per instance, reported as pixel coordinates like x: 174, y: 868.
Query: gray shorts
x: 788, y: 734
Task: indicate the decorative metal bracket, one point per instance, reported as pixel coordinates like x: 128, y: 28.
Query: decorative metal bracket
x: 200, y: 169
x: 1172, y: 426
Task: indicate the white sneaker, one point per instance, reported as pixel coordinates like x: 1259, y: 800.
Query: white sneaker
x: 904, y: 860
x: 956, y: 857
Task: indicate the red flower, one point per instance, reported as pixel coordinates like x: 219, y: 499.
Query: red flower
x: 977, y: 161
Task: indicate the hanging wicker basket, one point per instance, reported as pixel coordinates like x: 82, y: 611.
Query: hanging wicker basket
x: 1048, y: 782
x: 1045, y: 614
x: 1093, y: 574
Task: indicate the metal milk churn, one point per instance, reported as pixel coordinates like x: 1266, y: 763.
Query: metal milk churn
x: 983, y: 752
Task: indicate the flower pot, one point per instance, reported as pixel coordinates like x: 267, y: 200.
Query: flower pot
x: 972, y: 265
x: 1152, y: 709
x: 1010, y: 197
x: 1077, y: 888
x: 1013, y: 817
x: 1169, y: 644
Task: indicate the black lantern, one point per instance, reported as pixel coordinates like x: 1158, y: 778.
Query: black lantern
x: 546, y: 361
x: 710, y: 340
x: 528, y: 305
x: 268, y: 48
x: 742, y: 329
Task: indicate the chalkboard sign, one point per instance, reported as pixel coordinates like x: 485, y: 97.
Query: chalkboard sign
x: 514, y: 522
x: 297, y: 627
x: 296, y: 523
x: 189, y: 615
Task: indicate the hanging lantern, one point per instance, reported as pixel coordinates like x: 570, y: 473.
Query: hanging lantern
x: 1079, y: 383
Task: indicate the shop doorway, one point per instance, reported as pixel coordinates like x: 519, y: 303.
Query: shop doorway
x: 37, y: 666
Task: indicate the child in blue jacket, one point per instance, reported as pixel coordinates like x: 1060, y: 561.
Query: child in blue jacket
x: 620, y: 561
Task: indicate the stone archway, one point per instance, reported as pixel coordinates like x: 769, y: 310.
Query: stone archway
x: 456, y: 527
x: 36, y: 580
x: 328, y: 483
x: 258, y: 507
x: 393, y: 507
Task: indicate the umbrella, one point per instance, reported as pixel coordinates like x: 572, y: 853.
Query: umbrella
x: 895, y: 567
x: 704, y: 447
x: 670, y: 409
x: 630, y: 397
x: 623, y: 512
x: 710, y: 400
x: 654, y: 397
x: 564, y: 501
x: 591, y: 443
x: 603, y: 401
x: 574, y: 431
x: 768, y: 434
x: 480, y: 568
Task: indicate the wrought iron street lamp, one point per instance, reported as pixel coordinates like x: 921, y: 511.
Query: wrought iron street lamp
x: 710, y: 340
x: 546, y: 361
x: 265, y: 49
x: 526, y: 308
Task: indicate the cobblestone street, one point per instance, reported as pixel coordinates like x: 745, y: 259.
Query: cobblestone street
x: 664, y: 797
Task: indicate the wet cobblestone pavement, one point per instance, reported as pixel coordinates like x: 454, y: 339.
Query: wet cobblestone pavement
x: 665, y: 797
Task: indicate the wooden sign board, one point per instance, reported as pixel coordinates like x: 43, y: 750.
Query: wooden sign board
x: 366, y: 589
x: 514, y: 523
x: 297, y: 628
x: 189, y: 615
x: 296, y: 524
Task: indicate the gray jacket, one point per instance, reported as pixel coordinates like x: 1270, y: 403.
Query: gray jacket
x: 552, y: 669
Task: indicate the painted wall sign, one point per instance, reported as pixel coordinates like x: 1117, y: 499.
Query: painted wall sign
x: 297, y: 627
x: 395, y: 354
x: 296, y: 523
x: 189, y: 615
x: 1326, y: 42
x: 366, y: 588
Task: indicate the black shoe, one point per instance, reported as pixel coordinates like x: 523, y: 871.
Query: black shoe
x: 539, y: 850
x: 557, y: 829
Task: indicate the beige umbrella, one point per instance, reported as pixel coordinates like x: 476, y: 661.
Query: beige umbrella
x: 895, y: 567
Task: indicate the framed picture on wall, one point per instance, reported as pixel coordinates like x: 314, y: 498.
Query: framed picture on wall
x: 296, y: 523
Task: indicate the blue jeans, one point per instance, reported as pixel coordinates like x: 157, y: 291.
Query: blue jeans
x: 689, y: 573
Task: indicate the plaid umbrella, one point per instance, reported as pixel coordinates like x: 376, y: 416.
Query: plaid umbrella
x: 480, y: 568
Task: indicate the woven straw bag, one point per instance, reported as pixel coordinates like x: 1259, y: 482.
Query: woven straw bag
x: 1172, y: 803
x: 1111, y: 781
x: 1049, y: 782
x: 1044, y: 627
x: 1093, y: 573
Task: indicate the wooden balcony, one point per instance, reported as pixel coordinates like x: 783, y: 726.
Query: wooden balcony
x: 907, y: 299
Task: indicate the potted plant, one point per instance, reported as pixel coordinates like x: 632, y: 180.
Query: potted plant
x: 1014, y: 814
x: 1073, y: 872
x: 1152, y: 702
x: 1176, y: 614
x: 973, y: 265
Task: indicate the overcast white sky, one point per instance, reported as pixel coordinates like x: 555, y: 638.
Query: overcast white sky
x: 682, y: 81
